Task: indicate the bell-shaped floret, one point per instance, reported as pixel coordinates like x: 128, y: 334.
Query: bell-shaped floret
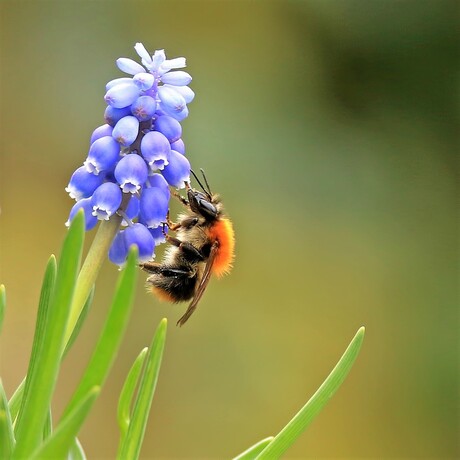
x: 177, y: 78
x: 171, y: 99
x: 144, y: 80
x: 131, y: 173
x: 178, y: 146
x: 103, y: 155
x: 112, y: 115
x: 129, y: 66
x: 85, y: 204
x: 155, y: 149
x: 139, y: 235
x: 82, y: 183
x: 106, y: 200
x: 177, y: 172
x: 153, y: 207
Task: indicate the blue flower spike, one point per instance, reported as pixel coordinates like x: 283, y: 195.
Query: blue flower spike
x: 138, y: 153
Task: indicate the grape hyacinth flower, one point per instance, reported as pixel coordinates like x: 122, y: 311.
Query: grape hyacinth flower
x: 137, y: 155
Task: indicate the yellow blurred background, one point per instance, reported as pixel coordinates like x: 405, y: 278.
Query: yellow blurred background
x: 330, y: 129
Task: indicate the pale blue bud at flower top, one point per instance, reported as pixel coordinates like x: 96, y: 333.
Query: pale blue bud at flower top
x: 171, y: 99
x: 83, y: 183
x: 177, y: 78
x: 126, y: 130
x: 168, y: 126
x: 179, y: 116
x: 153, y: 207
x: 144, y: 108
x: 131, y: 173
x: 122, y: 95
x: 106, y: 200
x: 117, y: 81
x: 85, y: 204
x: 155, y: 149
x: 144, y: 80
x: 101, y: 131
x: 129, y: 66
x: 143, y: 54
x: 176, y: 63
x: 177, y: 171
x: 103, y: 155
x: 186, y: 92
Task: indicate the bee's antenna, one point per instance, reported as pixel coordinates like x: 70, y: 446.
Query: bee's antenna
x: 206, y: 181
x: 200, y: 184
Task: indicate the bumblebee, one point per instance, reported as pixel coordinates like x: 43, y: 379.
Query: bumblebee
x: 203, y: 245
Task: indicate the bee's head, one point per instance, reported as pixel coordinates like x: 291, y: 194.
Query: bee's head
x: 204, y: 203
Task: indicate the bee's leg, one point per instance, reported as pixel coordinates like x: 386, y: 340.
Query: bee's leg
x: 185, y: 247
x: 181, y: 199
x: 155, y: 268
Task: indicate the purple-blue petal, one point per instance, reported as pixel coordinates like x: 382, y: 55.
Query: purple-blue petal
x: 101, y: 131
x: 106, y: 200
x: 85, y: 204
x: 132, y: 211
x: 139, y: 235
x: 169, y: 127
x: 158, y: 235
x: 122, y: 95
x: 144, y: 108
x: 82, y: 183
x: 126, y: 130
x: 179, y: 116
x: 118, y: 250
x: 117, y: 81
x: 178, y: 146
x: 158, y: 181
x: 103, y: 155
x: 154, y: 206
x: 177, y: 171
x: 113, y: 115
x: 131, y: 173
x: 186, y: 92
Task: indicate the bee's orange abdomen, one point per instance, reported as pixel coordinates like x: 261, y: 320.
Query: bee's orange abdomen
x: 162, y: 295
x: 222, y: 231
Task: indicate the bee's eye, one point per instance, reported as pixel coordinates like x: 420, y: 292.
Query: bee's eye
x: 208, y: 208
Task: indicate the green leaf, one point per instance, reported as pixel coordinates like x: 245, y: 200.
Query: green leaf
x: 42, y: 317
x: 6, y: 426
x: 76, y: 451
x: 127, y: 394
x: 60, y: 442
x: 46, y: 366
x: 15, y: 401
x: 289, y: 434
x: 80, y: 321
x: 48, y: 428
x: 255, y: 450
x: 131, y: 446
x: 107, y: 347
x: 2, y: 304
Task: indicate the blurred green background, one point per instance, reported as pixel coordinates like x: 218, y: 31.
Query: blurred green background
x: 329, y: 128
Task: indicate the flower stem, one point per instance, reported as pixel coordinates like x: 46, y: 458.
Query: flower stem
x: 90, y: 269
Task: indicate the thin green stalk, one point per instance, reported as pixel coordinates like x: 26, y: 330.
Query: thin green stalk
x: 90, y: 269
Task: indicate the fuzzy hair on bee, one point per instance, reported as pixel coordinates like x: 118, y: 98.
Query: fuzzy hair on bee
x: 203, y: 245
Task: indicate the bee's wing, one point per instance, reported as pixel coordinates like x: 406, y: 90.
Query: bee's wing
x: 201, y: 288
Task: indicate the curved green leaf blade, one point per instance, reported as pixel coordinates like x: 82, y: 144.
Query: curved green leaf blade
x: 46, y: 292
x: 132, y: 444
x: 79, y: 323
x: 2, y: 304
x: 60, y: 442
x: 288, y: 435
x: 76, y: 451
x: 35, y: 409
x: 107, y: 347
x: 255, y: 450
x: 127, y: 394
x: 6, y: 426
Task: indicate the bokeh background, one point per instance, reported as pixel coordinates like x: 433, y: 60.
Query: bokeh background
x: 330, y: 129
